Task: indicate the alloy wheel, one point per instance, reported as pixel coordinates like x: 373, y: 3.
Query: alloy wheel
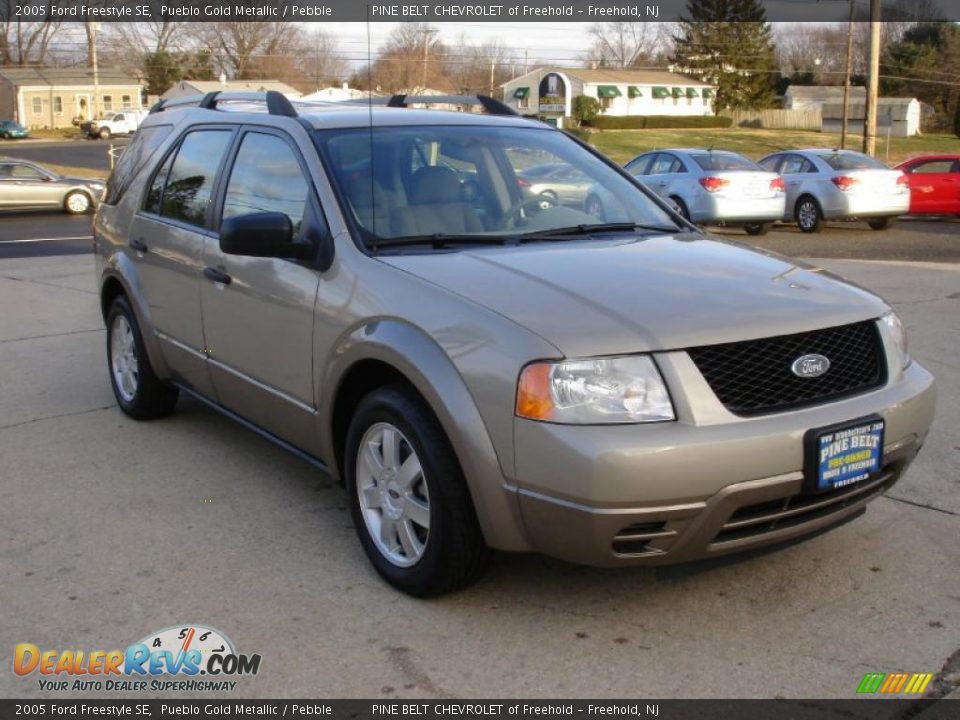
x: 393, y: 495
x: 123, y: 358
x: 78, y: 203
x: 807, y: 214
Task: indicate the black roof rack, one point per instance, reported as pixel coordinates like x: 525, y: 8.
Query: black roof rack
x: 491, y: 105
x: 277, y: 103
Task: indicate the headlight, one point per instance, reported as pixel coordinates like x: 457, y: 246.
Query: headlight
x: 625, y: 389
x: 899, y: 337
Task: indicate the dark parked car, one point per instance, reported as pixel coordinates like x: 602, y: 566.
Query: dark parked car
x: 11, y: 129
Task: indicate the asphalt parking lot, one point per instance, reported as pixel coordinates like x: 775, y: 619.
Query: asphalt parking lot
x: 113, y: 529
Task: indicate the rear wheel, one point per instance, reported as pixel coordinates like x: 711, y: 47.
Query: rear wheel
x: 138, y: 391
x: 104, y: 133
x: 77, y: 202
x: 408, y: 497
x: 681, y: 207
x: 808, y: 214
x: 880, y: 223
x: 758, y: 228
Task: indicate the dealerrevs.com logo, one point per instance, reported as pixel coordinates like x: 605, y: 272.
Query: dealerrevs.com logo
x: 181, y: 658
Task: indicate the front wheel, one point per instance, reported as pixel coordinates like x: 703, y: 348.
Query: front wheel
x: 758, y: 228
x: 138, y: 391
x: 77, y: 203
x: 409, y: 500
x: 594, y: 207
x: 880, y: 223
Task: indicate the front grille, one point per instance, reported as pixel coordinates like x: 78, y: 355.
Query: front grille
x: 754, y: 376
x: 753, y: 520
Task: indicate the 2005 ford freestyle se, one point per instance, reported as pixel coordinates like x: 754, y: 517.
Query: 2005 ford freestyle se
x: 376, y: 289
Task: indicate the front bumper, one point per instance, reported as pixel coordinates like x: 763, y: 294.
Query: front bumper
x: 708, y: 484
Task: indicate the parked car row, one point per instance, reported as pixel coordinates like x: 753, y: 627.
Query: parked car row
x: 807, y: 187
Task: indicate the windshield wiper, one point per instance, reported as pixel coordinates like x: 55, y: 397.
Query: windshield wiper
x: 437, y: 240
x: 593, y: 228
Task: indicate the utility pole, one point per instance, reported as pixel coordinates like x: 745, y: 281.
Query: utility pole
x: 94, y: 27
x: 426, y: 49
x: 870, y: 123
x: 846, y: 81
x: 493, y: 67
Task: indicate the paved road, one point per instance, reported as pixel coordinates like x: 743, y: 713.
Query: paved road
x: 112, y: 529
x: 39, y: 234
x: 77, y: 153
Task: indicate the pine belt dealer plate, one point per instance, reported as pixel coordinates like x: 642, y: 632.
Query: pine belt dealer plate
x: 843, y: 454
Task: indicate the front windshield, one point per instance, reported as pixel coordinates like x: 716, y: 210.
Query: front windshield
x: 478, y: 181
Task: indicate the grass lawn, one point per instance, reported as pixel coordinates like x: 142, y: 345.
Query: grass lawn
x: 623, y: 145
x: 74, y: 171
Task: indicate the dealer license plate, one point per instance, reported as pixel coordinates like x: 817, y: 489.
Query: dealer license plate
x: 844, y: 454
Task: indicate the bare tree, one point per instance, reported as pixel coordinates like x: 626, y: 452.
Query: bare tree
x: 627, y: 44
x: 412, y: 57
x: 321, y: 62
x: 254, y: 50
x: 27, y: 43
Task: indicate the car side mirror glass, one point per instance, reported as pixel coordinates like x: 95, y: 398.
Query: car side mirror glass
x: 262, y: 234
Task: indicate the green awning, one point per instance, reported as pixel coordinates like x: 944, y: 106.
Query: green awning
x: 677, y: 92
x: 661, y: 92
x: 634, y: 92
x: 521, y: 93
x: 691, y: 92
x: 707, y: 93
x: 608, y: 91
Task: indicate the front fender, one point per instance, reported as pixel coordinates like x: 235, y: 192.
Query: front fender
x: 428, y: 368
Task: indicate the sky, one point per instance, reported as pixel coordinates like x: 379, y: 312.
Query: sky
x: 559, y: 42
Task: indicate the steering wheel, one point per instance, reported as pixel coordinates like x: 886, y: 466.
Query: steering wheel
x: 515, y: 213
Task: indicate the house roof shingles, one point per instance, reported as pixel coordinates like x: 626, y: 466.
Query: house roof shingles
x: 61, y: 77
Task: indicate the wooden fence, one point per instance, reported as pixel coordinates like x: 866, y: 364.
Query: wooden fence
x: 776, y: 119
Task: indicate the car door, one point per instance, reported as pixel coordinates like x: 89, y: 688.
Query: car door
x: 793, y: 170
x: 933, y: 186
x: 258, y: 312
x: 167, y: 242
x: 658, y: 175
x: 572, y: 186
x: 27, y: 186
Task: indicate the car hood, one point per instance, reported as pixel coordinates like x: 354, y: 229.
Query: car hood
x: 599, y: 297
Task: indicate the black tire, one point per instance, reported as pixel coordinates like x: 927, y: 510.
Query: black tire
x: 454, y: 553
x: 5, y: 136
x: 880, y: 223
x: 548, y: 199
x: 758, y: 228
x: 681, y: 207
x: 593, y: 206
x: 104, y: 134
x: 808, y: 214
x: 80, y: 208
x: 152, y: 398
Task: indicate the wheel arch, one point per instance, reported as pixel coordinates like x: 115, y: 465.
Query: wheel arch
x: 385, y: 352
x: 120, y: 278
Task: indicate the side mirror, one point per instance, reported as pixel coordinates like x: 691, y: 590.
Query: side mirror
x: 264, y: 234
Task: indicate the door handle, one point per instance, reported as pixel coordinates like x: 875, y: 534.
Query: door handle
x: 212, y: 273
x: 139, y: 245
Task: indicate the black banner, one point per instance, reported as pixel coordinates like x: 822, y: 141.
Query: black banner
x: 865, y: 709
x: 470, y: 11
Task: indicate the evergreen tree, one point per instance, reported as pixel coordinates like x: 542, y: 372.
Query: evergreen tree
x: 729, y: 43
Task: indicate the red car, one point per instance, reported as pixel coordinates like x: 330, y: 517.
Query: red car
x: 934, y: 184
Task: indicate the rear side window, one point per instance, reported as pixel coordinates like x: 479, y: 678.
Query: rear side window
x: 723, y: 161
x: 266, y: 177
x: 144, y: 143
x: 852, y: 161
x: 189, y: 184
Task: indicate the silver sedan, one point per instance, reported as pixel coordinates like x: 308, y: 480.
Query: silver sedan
x: 713, y: 186
x: 27, y: 186
x: 825, y: 184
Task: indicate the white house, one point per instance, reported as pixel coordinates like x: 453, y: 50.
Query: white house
x: 185, y: 88
x: 550, y: 91
x: 901, y: 115
x: 336, y: 94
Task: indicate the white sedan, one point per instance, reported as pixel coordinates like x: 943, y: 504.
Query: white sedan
x: 827, y: 184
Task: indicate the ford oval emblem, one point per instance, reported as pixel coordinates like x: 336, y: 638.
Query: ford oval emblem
x: 810, y: 366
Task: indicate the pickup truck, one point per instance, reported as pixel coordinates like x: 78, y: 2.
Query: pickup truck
x: 124, y: 122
